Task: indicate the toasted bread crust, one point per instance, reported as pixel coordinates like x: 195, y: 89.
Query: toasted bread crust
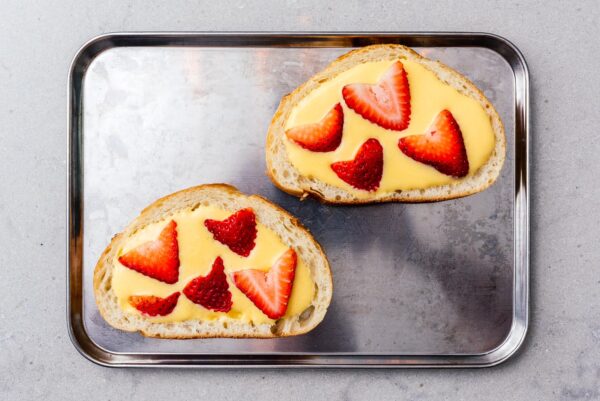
x: 289, y: 326
x: 276, y: 154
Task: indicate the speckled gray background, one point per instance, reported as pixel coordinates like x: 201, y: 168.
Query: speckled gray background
x: 561, y: 357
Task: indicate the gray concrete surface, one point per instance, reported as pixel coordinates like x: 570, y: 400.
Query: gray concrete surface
x: 561, y: 357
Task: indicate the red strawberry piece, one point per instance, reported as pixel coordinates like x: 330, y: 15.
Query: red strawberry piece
x: 269, y: 291
x: 151, y: 305
x: 365, y: 171
x: 324, y: 136
x: 158, y: 259
x: 212, y: 290
x: 442, y: 147
x: 238, y: 231
x: 387, y: 103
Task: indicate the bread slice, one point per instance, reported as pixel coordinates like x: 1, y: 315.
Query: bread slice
x: 286, y: 177
x: 228, y: 198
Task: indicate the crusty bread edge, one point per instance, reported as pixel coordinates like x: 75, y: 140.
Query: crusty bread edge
x: 106, y: 257
x: 276, y: 133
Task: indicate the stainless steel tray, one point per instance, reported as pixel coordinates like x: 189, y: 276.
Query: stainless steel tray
x: 441, y: 284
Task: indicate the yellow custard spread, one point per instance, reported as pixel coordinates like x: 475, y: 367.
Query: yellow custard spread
x: 197, y: 252
x: 428, y: 97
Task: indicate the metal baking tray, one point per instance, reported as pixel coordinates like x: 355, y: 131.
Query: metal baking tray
x: 416, y: 285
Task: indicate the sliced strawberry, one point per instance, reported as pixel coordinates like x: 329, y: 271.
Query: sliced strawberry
x: 151, y: 305
x: 442, y: 147
x: 212, y: 290
x: 387, y: 103
x: 365, y: 171
x: 158, y: 259
x: 238, y: 231
x: 324, y: 136
x: 270, y: 291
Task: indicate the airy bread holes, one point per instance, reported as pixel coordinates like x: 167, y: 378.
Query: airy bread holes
x: 306, y: 314
x: 277, y: 327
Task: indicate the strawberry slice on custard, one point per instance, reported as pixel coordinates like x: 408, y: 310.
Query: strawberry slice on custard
x: 442, y: 147
x: 154, y: 306
x: 238, y: 231
x: 387, y: 103
x: 365, y: 171
x: 323, y: 136
x: 211, y: 291
x: 269, y: 291
x: 158, y: 259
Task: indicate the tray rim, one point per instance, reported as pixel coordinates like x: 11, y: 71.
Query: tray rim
x: 97, y: 354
